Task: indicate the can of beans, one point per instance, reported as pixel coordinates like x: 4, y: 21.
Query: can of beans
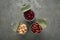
x: 19, y: 27
x: 28, y: 13
x: 38, y: 25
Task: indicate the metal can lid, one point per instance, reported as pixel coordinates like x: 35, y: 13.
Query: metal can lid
x: 25, y: 7
x: 42, y: 22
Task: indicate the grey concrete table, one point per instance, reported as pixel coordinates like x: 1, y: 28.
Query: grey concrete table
x: 9, y: 13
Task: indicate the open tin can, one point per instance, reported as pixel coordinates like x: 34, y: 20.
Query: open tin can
x: 28, y: 13
x: 20, y: 28
x: 38, y: 25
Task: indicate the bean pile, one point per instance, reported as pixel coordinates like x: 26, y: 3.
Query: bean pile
x: 22, y: 29
x: 36, y: 28
x: 29, y: 15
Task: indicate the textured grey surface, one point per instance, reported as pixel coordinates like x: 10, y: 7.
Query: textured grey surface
x: 10, y: 12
